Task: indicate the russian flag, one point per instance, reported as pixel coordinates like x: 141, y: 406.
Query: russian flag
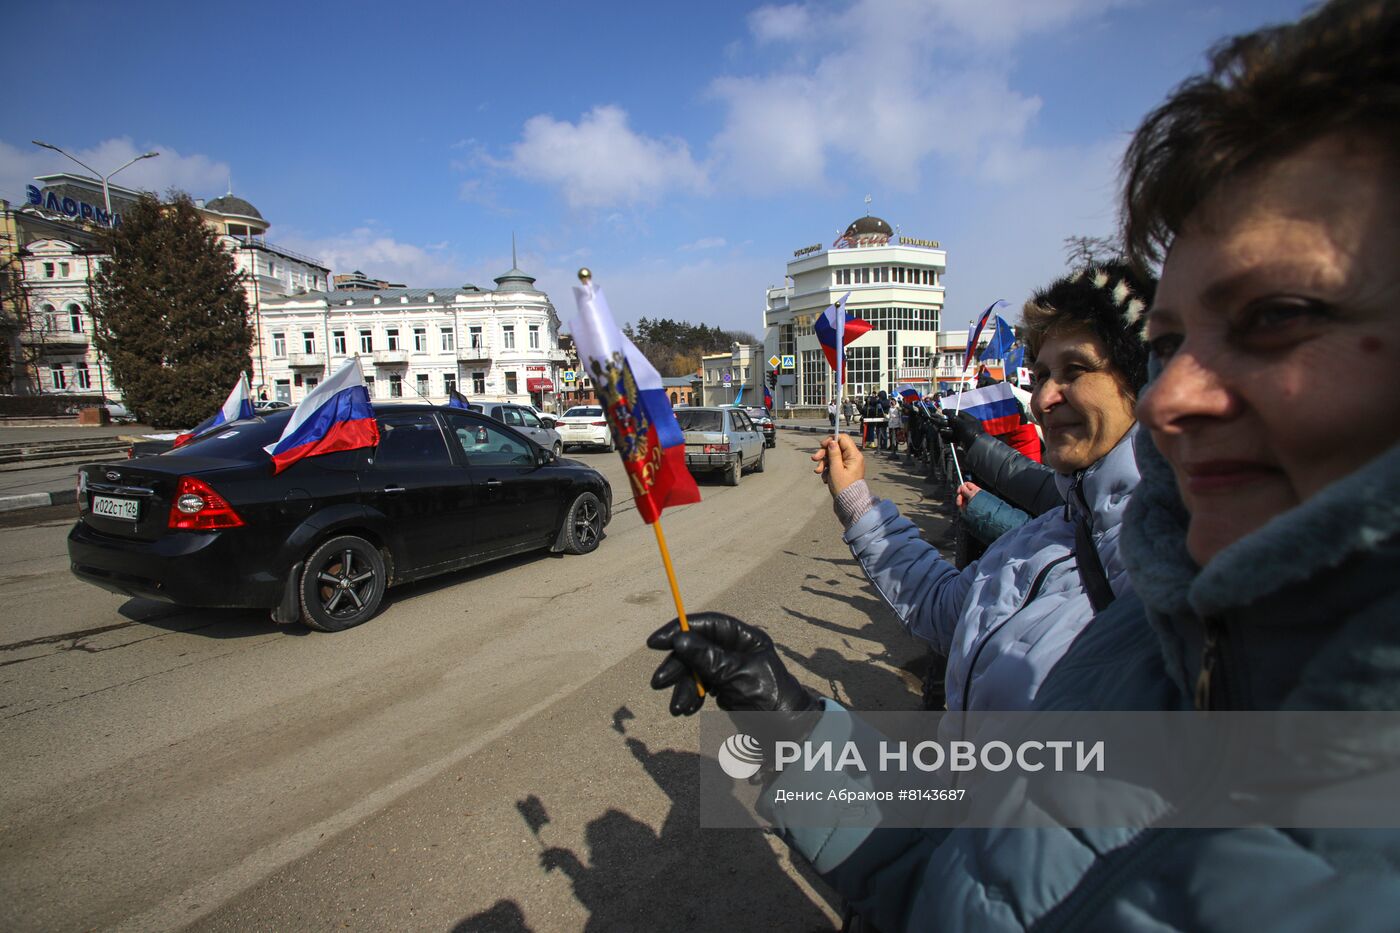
x: 636, y: 406
x: 458, y: 400
x: 835, y: 331
x: 995, y: 406
x: 976, y: 331
x: 767, y: 397
x: 336, y: 415
x: 908, y: 393
x: 237, y: 406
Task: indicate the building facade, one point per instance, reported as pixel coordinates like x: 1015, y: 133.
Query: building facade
x: 414, y: 344
x: 736, y: 376
x: 895, y: 284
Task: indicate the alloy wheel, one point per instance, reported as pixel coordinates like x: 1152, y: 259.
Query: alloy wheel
x: 344, y: 587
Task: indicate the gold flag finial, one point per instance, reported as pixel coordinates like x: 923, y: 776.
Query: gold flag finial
x: 584, y: 275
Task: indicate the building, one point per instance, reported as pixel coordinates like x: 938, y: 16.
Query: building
x: 357, y: 281
x: 895, y: 283
x: 52, y: 251
x: 736, y: 376
x: 417, y: 343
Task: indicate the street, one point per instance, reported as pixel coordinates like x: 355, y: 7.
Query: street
x: 169, y: 768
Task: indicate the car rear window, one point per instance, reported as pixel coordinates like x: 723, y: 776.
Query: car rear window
x: 584, y: 411
x: 240, y: 440
x: 696, y: 420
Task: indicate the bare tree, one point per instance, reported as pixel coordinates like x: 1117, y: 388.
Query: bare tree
x: 1089, y: 250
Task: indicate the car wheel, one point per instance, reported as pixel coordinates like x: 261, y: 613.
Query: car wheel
x: 583, y: 526
x: 558, y: 450
x: 342, y: 585
x: 759, y: 466
x: 731, y: 473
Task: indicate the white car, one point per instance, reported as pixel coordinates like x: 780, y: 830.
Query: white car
x: 585, y: 424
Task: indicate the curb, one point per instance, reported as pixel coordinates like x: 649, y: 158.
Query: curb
x: 38, y: 500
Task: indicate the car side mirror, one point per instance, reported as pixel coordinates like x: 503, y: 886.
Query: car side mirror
x: 545, y: 456
x: 548, y: 422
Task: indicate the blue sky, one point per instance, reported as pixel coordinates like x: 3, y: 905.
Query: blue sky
x: 683, y: 151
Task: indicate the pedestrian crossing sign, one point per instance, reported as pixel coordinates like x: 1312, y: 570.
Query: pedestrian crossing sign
x: 569, y: 375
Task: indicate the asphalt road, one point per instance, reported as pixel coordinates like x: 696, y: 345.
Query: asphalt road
x: 168, y: 768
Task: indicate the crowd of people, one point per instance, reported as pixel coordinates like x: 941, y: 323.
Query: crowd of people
x: 1210, y: 529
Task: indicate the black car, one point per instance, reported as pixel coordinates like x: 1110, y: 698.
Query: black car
x: 208, y: 524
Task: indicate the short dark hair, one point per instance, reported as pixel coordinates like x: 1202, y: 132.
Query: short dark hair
x: 1108, y: 300
x: 1267, y: 94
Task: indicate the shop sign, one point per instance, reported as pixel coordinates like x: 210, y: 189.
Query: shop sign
x: 78, y: 210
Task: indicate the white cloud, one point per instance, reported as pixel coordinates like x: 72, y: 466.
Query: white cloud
x: 600, y: 161
x: 199, y: 175
x: 779, y: 23
x: 379, y: 255
x: 708, y: 242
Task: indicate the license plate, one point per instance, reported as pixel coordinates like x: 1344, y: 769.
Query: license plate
x: 126, y: 510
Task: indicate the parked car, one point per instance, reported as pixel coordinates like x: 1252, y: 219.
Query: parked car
x: 210, y: 525
x: 721, y: 438
x: 270, y: 405
x: 585, y: 424
x: 118, y: 413
x: 524, y: 419
x: 764, y: 422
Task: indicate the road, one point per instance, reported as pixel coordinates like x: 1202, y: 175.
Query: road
x: 169, y: 768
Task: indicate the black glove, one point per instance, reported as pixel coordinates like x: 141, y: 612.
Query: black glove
x: 964, y: 429
x: 735, y: 661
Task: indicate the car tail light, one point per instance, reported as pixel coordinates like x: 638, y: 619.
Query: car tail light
x: 599, y: 424
x: 82, y: 491
x: 198, y: 507
x: 716, y: 448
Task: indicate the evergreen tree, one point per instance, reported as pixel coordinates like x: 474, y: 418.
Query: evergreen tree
x: 170, y: 313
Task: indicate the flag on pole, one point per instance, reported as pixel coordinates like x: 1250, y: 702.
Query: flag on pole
x: 740, y: 397
x: 237, y: 406
x: 976, y: 332
x: 644, y: 427
x: 1015, y: 358
x: 456, y: 399
x: 1000, y: 345
x: 834, y: 331
x: 908, y: 393
x: 767, y: 397
x: 995, y: 406
x: 336, y: 415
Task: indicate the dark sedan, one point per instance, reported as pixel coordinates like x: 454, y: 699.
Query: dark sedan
x: 208, y: 524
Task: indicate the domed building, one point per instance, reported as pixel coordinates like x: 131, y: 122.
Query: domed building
x: 895, y: 283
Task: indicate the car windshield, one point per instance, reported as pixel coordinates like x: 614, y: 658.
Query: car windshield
x: 240, y: 440
x: 584, y: 411
x: 700, y: 420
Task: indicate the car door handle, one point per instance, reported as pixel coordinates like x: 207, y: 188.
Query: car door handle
x: 393, y: 489
x: 493, y: 482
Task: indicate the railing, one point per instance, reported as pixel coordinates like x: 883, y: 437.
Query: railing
x: 306, y: 359
x: 478, y: 351
x: 262, y: 243
x: 390, y: 357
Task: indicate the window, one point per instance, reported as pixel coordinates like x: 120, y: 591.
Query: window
x: 474, y: 337
x: 449, y: 342
x: 366, y: 340
x: 81, y: 377
x: 483, y: 444
x: 510, y: 383
x: 75, y: 319
x: 392, y: 334
x: 478, y: 383
x: 511, y: 416
x: 395, y: 385
x: 508, y: 336
x: 420, y: 340
x: 311, y: 383
x: 279, y: 344
x: 410, y: 440
x: 369, y: 385
x: 63, y: 270
x: 60, y: 381
x: 48, y: 270
x: 534, y: 336
x: 423, y: 384
x: 862, y: 370
x: 338, y: 342
x: 449, y: 384
x: 308, y: 341
x: 271, y: 268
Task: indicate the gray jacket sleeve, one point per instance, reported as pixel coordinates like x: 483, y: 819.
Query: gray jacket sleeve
x: 1028, y: 485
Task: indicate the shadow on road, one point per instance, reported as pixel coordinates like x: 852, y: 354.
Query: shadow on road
x: 633, y: 878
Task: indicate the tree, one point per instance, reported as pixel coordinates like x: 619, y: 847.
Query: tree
x: 1087, y: 250
x: 675, y: 347
x: 170, y: 313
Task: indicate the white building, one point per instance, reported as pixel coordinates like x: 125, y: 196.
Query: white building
x: 57, y: 343
x: 896, y: 284
x: 417, y: 343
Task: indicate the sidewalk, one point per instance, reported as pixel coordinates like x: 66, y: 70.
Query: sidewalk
x: 51, y: 484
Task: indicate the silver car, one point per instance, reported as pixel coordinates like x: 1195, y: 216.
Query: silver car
x: 724, y: 439
x: 524, y: 420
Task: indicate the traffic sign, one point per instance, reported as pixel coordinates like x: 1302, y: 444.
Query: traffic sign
x: 728, y: 377
x: 569, y: 375
x: 789, y: 361
x: 773, y: 361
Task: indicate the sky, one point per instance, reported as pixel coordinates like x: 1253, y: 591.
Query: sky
x: 681, y: 151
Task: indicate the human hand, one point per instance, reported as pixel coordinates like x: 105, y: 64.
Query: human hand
x: 965, y: 429
x: 965, y: 493
x: 840, y: 462
x: 735, y: 661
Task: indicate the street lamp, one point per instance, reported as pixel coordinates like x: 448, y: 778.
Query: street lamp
x: 106, y: 194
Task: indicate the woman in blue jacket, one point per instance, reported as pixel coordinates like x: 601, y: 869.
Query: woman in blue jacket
x: 1264, y: 539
